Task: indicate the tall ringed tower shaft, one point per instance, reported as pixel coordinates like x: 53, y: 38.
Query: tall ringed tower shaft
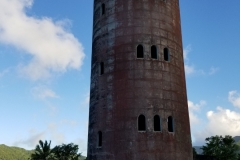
x: 138, y: 102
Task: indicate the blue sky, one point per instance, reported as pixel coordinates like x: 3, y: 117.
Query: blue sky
x: 45, y: 54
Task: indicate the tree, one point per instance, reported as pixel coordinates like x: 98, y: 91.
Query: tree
x: 194, y: 152
x: 223, y: 148
x: 67, y: 152
x: 43, y: 151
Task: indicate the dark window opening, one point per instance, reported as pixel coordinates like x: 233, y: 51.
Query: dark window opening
x: 170, y: 124
x: 141, y: 123
x: 103, y: 9
x: 154, y: 52
x: 157, y: 123
x: 140, y: 51
x: 166, y: 54
x: 99, y: 139
x: 101, y: 68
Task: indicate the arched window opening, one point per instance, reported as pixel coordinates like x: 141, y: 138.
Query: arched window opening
x: 99, y: 139
x: 101, y: 68
x: 140, y: 53
x: 170, y: 124
x: 166, y: 54
x: 103, y: 9
x: 154, y: 52
x: 157, y: 123
x: 141, y: 123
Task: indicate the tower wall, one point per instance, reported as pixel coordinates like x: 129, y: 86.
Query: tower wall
x: 123, y: 87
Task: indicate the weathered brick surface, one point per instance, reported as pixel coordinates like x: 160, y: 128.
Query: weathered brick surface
x: 130, y: 87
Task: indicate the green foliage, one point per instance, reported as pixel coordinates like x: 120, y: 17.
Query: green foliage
x: 238, y: 143
x: 223, y: 148
x: 194, y: 152
x: 67, y: 152
x: 14, y: 153
x: 43, y: 151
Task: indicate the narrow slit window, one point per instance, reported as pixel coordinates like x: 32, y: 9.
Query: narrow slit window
x: 103, y: 9
x: 154, y: 52
x: 99, y: 139
x: 157, y: 123
x: 166, y: 54
x: 141, y: 123
x: 140, y: 53
x: 170, y: 124
x: 101, y: 68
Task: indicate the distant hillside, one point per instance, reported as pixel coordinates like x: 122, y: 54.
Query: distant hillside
x: 16, y: 153
x: 236, y: 138
x: 199, y: 150
x: 13, y: 153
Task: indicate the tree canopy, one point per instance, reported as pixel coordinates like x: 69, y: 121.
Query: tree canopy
x: 223, y: 148
x: 43, y: 151
x: 66, y: 152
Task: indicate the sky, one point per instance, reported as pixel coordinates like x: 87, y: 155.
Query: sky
x: 45, y: 55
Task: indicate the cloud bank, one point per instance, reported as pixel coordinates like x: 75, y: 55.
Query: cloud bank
x: 42, y: 92
x: 52, y: 48
x: 188, y: 68
x: 193, y: 108
x: 234, y: 98
x: 222, y: 121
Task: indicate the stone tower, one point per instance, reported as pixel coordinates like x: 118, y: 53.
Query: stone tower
x: 138, y: 102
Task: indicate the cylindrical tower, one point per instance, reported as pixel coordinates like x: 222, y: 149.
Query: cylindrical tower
x: 138, y: 102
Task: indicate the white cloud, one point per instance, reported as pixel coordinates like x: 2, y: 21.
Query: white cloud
x: 193, y: 108
x: 50, y: 133
x: 189, y: 69
x: 42, y: 92
x: 85, y: 102
x: 196, y: 106
x: 56, y: 132
x: 234, y: 98
x: 193, y: 119
x: 51, y: 46
x: 186, y: 52
x: 82, y: 144
x: 220, y: 122
x: 213, y: 70
x: 57, y: 136
x: 32, y: 140
x: 223, y: 121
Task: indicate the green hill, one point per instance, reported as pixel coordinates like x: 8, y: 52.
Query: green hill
x: 16, y: 153
x: 13, y: 153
